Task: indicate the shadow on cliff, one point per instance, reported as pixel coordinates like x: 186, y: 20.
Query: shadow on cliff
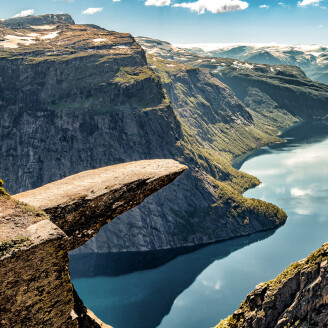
x: 110, y: 285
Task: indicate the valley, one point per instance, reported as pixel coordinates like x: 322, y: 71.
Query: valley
x: 208, y: 284
x: 78, y: 97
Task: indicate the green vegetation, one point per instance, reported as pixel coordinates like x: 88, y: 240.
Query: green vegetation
x: 247, y: 209
x: 130, y: 75
x: 229, y: 322
x: 312, y: 261
x: 6, y: 246
x: 287, y: 87
x: 3, y: 192
x: 217, y: 128
x: 215, y: 165
x: 266, y: 111
x: 210, y: 111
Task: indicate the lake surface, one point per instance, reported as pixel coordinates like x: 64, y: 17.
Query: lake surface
x: 197, y: 289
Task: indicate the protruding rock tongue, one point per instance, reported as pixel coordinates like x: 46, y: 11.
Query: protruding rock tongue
x: 81, y: 204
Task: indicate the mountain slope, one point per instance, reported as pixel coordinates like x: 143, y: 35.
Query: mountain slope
x: 313, y: 60
x: 280, y: 95
x: 210, y: 110
x: 78, y: 97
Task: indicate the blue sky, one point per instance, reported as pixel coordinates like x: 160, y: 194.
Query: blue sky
x: 194, y: 21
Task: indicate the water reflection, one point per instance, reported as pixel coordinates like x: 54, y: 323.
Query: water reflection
x: 305, y: 133
x: 141, y: 299
x: 196, y: 290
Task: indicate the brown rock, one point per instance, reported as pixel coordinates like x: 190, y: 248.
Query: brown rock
x: 35, y: 285
x: 81, y: 204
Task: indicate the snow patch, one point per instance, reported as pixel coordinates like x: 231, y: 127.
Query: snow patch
x: 242, y: 65
x: 13, y: 41
x: 122, y: 47
x: 98, y: 40
x: 43, y: 27
x: 51, y: 35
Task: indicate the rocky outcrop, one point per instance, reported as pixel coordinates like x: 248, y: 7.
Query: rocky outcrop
x: 36, y: 290
x: 81, y: 204
x: 78, y: 97
x: 298, y: 297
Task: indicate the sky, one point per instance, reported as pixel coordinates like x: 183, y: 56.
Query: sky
x: 194, y: 21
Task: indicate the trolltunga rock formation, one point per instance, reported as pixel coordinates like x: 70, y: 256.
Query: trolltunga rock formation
x: 36, y: 290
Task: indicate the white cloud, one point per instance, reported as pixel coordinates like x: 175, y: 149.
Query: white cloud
x: 25, y: 13
x: 264, y: 6
x: 158, y: 3
x: 298, y: 192
x: 91, y: 11
x: 116, y: 0
x: 305, y: 3
x: 213, y: 6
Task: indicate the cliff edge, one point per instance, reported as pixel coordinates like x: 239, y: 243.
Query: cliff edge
x: 34, y: 245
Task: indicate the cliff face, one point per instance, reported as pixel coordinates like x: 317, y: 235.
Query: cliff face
x: 71, y: 87
x: 77, y: 97
x: 209, y: 110
x: 36, y: 290
x: 298, y: 297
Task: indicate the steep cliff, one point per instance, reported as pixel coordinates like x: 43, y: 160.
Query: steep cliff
x: 36, y: 290
x: 209, y: 110
x: 298, y: 297
x: 78, y: 97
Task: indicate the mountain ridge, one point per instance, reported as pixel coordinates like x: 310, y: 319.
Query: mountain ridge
x: 313, y: 59
x: 87, y: 98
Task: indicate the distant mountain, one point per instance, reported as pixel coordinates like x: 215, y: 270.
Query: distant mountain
x: 278, y: 94
x: 313, y: 60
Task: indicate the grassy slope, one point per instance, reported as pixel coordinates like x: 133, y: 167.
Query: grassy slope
x: 216, y: 128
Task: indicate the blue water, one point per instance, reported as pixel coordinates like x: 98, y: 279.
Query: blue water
x: 197, y: 289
